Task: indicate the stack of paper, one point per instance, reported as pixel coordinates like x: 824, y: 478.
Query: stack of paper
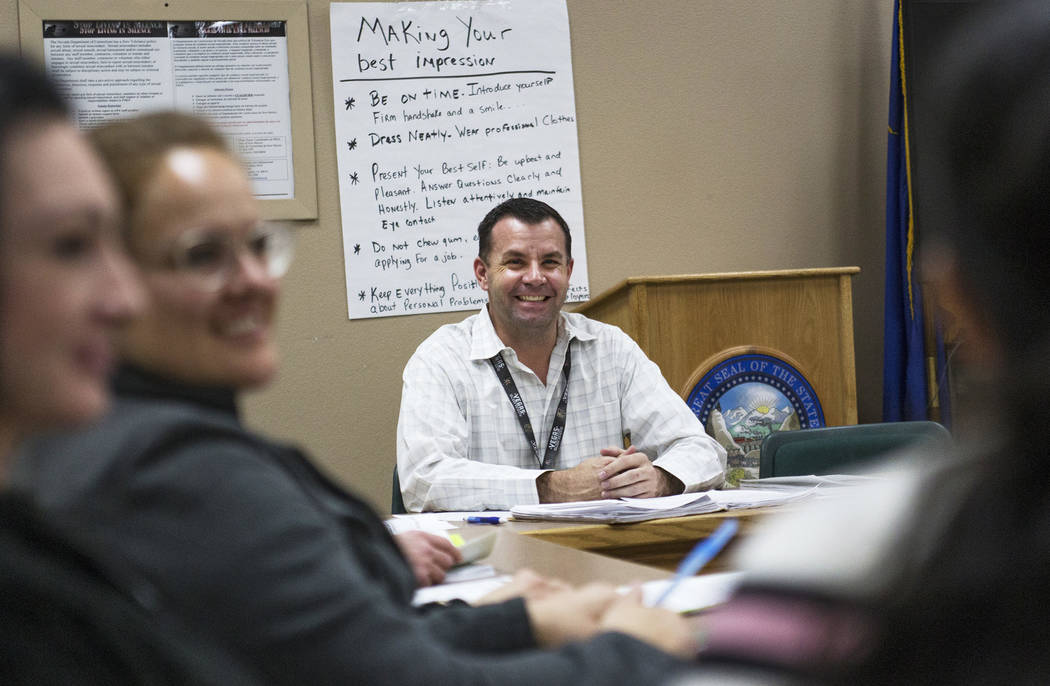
x: 827, y: 485
x: 747, y: 499
x: 620, y: 511
x: 809, y: 481
x: 627, y: 510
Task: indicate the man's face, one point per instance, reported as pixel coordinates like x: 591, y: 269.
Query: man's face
x: 526, y: 275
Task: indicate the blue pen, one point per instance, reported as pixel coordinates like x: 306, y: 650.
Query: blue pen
x: 482, y: 520
x: 702, y: 553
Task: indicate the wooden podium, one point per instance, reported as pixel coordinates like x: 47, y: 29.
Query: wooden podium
x: 688, y: 324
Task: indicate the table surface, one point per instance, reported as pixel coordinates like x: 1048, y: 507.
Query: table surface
x: 513, y: 551
x: 657, y: 543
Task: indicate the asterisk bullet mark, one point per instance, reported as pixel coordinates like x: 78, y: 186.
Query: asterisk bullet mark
x: 351, y: 144
x: 353, y: 179
x: 357, y: 248
x: 360, y: 295
x: 349, y: 102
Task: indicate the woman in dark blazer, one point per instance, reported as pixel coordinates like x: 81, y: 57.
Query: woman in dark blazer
x: 243, y: 533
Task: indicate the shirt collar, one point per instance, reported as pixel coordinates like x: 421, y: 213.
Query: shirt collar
x: 485, y: 343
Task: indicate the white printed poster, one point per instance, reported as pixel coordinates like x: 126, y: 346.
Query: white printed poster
x: 442, y: 111
x: 233, y: 72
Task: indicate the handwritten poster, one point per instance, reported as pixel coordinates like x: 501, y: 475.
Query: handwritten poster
x: 442, y: 111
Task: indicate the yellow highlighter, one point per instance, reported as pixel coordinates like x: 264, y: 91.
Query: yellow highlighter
x: 476, y: 548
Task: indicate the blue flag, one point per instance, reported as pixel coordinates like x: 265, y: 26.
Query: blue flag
x: 904, y: 395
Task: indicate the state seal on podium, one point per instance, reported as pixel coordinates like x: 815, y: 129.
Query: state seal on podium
x: 743, y: 394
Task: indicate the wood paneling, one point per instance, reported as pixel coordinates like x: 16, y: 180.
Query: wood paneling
x: 682, y: 322
x: 661, y: 543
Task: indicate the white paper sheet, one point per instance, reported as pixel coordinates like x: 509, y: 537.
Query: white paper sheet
x: 692, y: 594
x: 233, y: 72
x: 438, y: 522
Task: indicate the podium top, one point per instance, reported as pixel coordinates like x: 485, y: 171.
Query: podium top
x: 721, y: 276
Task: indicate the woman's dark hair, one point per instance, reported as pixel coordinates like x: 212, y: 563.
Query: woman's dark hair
x: 993, y: 156
x: 993, y: 168
x: 971, y: 606
x: 26, y: 95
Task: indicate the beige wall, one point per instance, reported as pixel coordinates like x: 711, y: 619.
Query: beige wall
x: 715, y: 135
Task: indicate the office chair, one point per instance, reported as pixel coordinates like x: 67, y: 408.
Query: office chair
x: 843, y: 449
x: 397, y: 503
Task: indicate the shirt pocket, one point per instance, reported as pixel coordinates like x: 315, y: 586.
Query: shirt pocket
x: 599, y: 426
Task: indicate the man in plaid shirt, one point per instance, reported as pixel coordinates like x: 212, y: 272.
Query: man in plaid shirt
x: 523, y: 403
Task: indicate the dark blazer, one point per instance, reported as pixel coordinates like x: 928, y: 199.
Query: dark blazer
x: 65, y: 618
x: 248, y: 538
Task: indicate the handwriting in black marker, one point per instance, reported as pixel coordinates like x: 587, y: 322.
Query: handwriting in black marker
x: 451, y: 76
x: 349, y: 102
x: 357, y: 248
x: 361, y: 295
x: 351, y: 144
x: 353, y: 179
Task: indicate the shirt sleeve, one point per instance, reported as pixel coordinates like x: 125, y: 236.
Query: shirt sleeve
x: 435, y: 470
x: 663, y: 426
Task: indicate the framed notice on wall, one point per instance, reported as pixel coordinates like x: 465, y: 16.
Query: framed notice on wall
x: 243, y: 66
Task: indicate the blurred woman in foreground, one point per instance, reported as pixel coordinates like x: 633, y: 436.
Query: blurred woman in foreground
x: 942, y: 575
x: 245, y: 534
x: 67, y: 614
x: 64, y: 281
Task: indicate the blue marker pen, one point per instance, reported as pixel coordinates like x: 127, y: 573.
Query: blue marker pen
x: 702, y: 553
x: 482, y: 520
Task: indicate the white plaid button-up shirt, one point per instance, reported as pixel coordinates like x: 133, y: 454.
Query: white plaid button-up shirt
x: 459, y: 443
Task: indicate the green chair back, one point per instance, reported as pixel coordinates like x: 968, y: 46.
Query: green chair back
x: 842, y: 449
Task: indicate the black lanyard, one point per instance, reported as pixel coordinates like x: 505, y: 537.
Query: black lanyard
x: 557, y: 428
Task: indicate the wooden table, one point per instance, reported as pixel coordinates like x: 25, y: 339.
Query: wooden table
x: 659, y: 543
x: 513, y: 551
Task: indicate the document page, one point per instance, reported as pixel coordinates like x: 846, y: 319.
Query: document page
x: 691, y: 595
x: 620, y: 511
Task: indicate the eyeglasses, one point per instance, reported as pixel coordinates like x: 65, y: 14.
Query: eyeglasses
x: 211, y: 256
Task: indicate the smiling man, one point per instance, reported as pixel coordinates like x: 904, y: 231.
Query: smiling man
x: 522, y: 403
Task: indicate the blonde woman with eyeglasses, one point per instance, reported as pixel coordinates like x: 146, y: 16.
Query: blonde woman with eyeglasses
x: 244, y: 534
x: 211, y: 266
